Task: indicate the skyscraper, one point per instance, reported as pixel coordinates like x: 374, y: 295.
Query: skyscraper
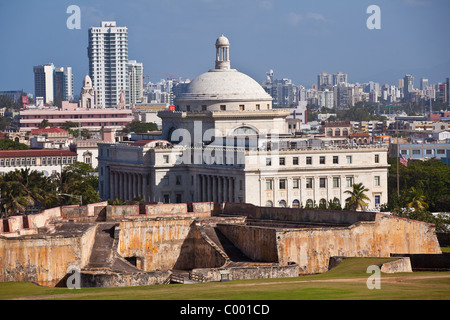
x: 135, y: 91
x: 108, y: 59
x: 408, y: 86
x: 43, y: 82
x: 423, y: 83
x: 63, y: 84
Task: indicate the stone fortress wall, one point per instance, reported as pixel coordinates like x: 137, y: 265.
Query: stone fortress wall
x: 149, y: 241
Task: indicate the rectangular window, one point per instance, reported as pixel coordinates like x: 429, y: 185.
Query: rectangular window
x: 241, y: 107
x: 377, y: 158
x: 222, y: 108
x: 429, y: 152
x: 166, y: 181
x: 335, y: 160
x: 404, y: 152
x: 44, y: 162
x: 282, y: 161
x: 308, y: 160
x: 295, y: 161
x: 416, y: 152
x: 323, y: 182
x: 349, y: 159
x: 283, y: 184
x: 165, y: 159
x: 178, y: 180
x: 377, y: 181
x: 269, y: 184
x: 441, y: 151
x: 33, y: 161
x: 322, y: 160
x: 349, y: 182
x: 268, y: 162
x: 377, y: 201
x: 296, y: 184
x: 309, y: 183
x: 336, y: 182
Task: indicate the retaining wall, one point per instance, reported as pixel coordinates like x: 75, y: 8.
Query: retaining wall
x: 44, y: 259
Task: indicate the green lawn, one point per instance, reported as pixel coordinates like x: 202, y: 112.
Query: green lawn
x: 346, y: 282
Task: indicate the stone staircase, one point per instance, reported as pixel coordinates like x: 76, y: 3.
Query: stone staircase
x: 103, y: 255
x: 234, y: 255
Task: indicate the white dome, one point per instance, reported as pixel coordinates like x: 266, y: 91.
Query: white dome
x: 222, y: 41
x: 225, y: 85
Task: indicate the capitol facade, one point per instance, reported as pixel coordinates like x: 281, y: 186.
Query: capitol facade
x: 225, y: 143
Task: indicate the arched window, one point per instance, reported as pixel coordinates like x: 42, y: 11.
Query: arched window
x: 309, y: 203
x: 295, y: 204
x: 269, y: 204
x: 337, y: 132
x: 322, y: 204
x: 244, y: 131
x: 282, y: 204
x: 329, y: 132
x: 345, y: 132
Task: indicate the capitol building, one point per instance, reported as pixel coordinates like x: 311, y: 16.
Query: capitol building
x: 225, y: 143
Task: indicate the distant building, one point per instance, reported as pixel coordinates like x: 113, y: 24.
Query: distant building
x: 87, y: 96
x: 408, y: 86
x: 108, y: 59
x: 422, y: 151
x: 47, y: 161
x: 63, y: 84
x: 135, y: 90
x: 90, y: 119
x: 43, y: 82
x: 324, y: 80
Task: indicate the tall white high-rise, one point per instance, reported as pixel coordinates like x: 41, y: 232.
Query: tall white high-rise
x: 43, y: 82
x: 108, y: 59
x: 135, y: 92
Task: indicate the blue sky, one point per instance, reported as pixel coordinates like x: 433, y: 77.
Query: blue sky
x: 297, y: 39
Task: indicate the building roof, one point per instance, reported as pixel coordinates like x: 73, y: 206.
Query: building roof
x: 36, y: 153
x: 48, y: 130
x: 224, y: 84
x: 360, y: 134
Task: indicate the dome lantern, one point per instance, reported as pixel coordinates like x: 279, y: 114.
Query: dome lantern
x: 223, y: 53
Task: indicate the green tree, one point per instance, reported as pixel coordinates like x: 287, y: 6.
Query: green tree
x: 140, y: 127
x: 8, y: 144
x: 24, y: 188
x: 357, y: 197
x: 78, y: 179
x: 44, y: 124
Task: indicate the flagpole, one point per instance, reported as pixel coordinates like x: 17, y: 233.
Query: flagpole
x: 398, y: 176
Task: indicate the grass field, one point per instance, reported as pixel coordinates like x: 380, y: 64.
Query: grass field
x: 346, y: 282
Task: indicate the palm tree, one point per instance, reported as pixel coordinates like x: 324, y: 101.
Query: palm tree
x: 417, y: 200
x: 357, y: 197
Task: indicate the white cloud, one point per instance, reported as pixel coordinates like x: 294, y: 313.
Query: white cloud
x: 266, y: 5
x: 295, y: 18
x: 418, y: 3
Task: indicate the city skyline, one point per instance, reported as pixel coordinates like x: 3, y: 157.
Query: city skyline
x: 296, y: 39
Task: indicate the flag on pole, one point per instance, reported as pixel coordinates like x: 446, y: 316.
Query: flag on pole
x: 403, y: 160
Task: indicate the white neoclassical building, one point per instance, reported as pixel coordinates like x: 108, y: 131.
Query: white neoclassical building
x: 225, y: 143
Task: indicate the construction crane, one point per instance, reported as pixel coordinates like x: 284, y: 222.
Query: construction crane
x: 160, y: 75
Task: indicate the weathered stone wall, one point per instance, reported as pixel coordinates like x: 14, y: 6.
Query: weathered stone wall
x: 249, y: 272
x: 164, y: 208
x: 298, y: 215
x: 43, y: 259
x: 311, y: 249
x: 161, y: 244
x: 118, y: 212
x: 259, y: 244
x: 90, y: 279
